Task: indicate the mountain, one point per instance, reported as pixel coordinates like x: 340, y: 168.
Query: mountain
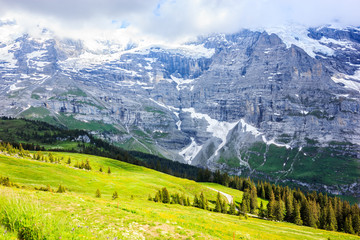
x: 280, y: 104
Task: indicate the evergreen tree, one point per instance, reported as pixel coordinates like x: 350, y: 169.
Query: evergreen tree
x: 262, y: 212
x: 271, y: 206
x: 68, y: 161
x: 307, y: 214
x: 87, y: 165
x: 109, y: 170
x: 101, y: 169
x: 115, y: 195
x: 232, y: 210
x: 218, y: 203
x: 188, y: 201
x: 262, y: 191
x: 157, y: 197
x: 165, y: 195
x: 98, y: 193
x: 289, y: 207
x: 348, y: 225
x: 224, y: 206
x: 330, y: 221
x: 196, y: 201
x: 279, y: 210
x: 253, y: 200
x: 61, y: 189
x: 356, y: 223
x: 297, y: 216
x: 51, y: 158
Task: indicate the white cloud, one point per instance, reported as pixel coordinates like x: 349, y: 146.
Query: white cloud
x: 173, y: 19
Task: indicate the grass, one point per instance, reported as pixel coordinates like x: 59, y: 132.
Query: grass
x: 311, y: 164
x: 35, y: 113
x: 77, y: 214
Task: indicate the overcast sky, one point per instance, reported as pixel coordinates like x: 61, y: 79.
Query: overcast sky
x: 176, y: 19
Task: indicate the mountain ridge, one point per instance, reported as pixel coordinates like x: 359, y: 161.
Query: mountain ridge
x: 221, y: 103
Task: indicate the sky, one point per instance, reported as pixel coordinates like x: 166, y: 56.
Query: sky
x: 173, y: 20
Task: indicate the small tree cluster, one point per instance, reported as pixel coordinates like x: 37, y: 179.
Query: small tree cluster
x: 5, y: 181
x: 45, y: 189
x: 201, y: 202
x: 164, y: 197
x: 61, y: 189
x: 83, y: 165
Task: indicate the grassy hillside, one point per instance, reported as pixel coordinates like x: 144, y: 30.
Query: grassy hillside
x: 77, y: 214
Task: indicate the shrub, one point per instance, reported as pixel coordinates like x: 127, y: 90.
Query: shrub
x: 61, y: 189
x: 98, y: 193
x: 115, y: 195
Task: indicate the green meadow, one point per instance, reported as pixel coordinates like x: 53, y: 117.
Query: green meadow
x: 78, y: 214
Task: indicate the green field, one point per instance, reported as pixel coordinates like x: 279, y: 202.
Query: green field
x: 77, y: 214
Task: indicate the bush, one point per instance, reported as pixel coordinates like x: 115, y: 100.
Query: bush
x: 98, y: 193
x: 30, y: 232
x: 115, y: 195
x: 61, y: 189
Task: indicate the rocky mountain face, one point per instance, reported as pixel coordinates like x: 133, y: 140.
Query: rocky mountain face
x: 280, y: 104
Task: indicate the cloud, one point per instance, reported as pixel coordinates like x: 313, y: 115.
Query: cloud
x: 177, y: 19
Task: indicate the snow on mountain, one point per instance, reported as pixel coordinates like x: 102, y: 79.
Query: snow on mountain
x: 298, y: 35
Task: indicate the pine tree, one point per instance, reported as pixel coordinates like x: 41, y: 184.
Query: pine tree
x: 262, y: 193
x: 297, y: 216
x: 87, y: 165
x: 330, y: 221
x: 109, y: 170
x: 262, y: 212
x: 289, y: 207
x: 69, y: 161
x: 196, y: 201
x: 253, y: 200
x: 61, y: 189
x: 188, y: 201
x: 51, y: 158
x: 203, y: 201
x: 224, y: 206
x: 232, y: 210
x: 279, y: 210
x: 356, y: 222
x: 101, y: 169
x: 157, y: 197
x: 98, y: 193
x: 218, y: 203
x: 271, y: 206
x: 165, y: 195
x: 115, y: 195
x: 348, y: 225
x: 307, y: 215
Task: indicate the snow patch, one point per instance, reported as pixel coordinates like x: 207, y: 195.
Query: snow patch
x: 218, y: 129
x: 350, y: 81
x: 272, y: 141
x: 190, y: 152
x: 180, y: 82
x: 298, y: 35
x: 13, y: 87
x: 178, y: 124
x: 304, y: 112
x: 342, y: 44
x: 248, y: 128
